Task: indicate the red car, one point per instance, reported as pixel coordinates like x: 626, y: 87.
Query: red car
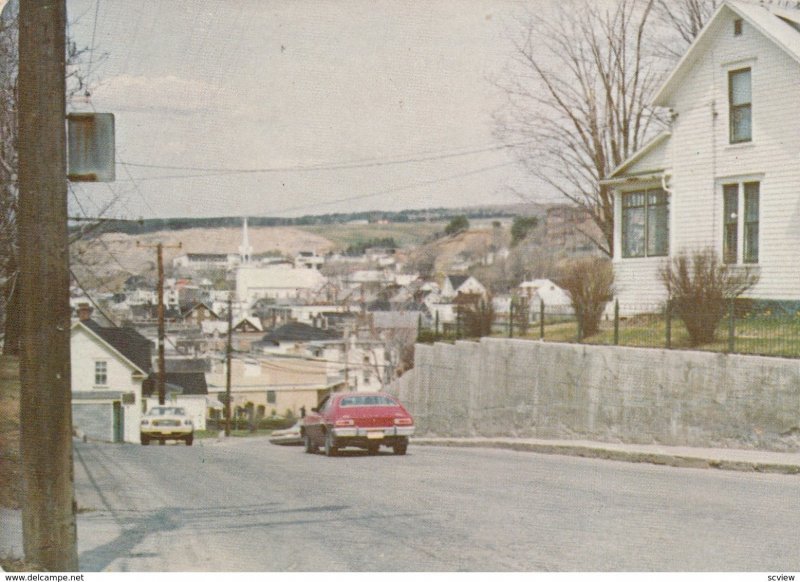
x: 357, y: 419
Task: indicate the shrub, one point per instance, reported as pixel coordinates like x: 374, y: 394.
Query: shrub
x: 700, y: 287
x: 590, y: 285
x: 456, y: 225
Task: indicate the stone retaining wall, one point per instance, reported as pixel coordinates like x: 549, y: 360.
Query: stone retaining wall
x: 506, y: 387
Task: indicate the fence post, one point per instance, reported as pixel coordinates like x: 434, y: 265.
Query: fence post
x: 580, y: 326
x: 668, y: 318
x: 616, y: 322
x: 731, y: 327
x: 436, y: 327
x: 541, y: 319
x: 419, y: 326
x: 511, y: 320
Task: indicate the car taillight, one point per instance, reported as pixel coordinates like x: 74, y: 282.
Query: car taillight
x: 345, y: 422
x: 403, y: 421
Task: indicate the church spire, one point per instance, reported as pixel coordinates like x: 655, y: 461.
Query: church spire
x: 245, y: 251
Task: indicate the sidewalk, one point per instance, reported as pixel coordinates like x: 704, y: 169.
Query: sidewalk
x: 687, y: 457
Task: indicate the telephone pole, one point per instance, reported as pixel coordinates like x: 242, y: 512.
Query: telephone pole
x: 160, y: 377
x: 48, y: 510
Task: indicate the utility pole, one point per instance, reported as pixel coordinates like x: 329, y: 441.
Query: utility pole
x: 228, y: 353
x: 48, y: 505
x: 161, y: 376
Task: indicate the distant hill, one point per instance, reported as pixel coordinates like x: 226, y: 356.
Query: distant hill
x: 152, y: 225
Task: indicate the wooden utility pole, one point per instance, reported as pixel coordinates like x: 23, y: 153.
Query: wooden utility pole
x: 161, y: 376
x: 228, y: 353
x: 48, y: 506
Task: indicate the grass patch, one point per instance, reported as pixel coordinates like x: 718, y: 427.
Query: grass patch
x: 405, y: 234
x: 754, y: 336
x: 10, y: 467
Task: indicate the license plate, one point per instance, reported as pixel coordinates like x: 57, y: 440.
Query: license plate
x: 375, y: 434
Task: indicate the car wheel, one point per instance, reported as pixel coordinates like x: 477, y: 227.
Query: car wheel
x: 330, y: 449
x: 373, y: 449
x: 189, y: 440
x: 311, y: 448
x: 400, y: 448
x: 145, y: 440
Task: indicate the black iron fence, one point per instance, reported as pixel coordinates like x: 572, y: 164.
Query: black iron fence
x: 768, y: 328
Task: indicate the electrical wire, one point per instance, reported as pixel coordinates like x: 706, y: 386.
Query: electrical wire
x: 373, y: 163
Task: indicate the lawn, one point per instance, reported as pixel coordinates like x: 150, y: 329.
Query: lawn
x: 768, y: 336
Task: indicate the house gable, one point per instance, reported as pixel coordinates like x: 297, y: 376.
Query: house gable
x: 652, y: 159
x: 773, y: 24
x: 80, y: 328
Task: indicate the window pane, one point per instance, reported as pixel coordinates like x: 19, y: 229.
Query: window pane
x: 751, y: 203
x: 740, y: 87
x: 633, y: 232
x: 741, y: 124
x: 730, y: 240
x: 658, y: 230
x: 100, y: 373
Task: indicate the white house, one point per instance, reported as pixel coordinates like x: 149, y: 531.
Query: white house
x: 539, y: 291
x: 726, y: 175
x: 466, y: 284
x: 108, y: 367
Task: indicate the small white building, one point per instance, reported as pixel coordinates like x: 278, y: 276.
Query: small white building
x: 462, y: 284
x: 277, y: 282
x: 108, y: 367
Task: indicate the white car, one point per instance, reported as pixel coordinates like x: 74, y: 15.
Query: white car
x: 288, y: 436
x: 162, y: 423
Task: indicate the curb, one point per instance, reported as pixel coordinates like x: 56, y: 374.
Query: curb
x: 680, y: 461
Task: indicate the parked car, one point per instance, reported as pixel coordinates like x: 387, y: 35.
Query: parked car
x: 162, y: 423
x: 357, y: 419
x: 288, y: 436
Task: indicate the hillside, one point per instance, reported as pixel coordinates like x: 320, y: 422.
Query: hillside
x: 105, y: 261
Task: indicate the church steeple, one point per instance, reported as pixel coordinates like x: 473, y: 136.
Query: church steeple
x: 245, y: 251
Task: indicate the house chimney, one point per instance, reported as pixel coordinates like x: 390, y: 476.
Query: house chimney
x: 84, y: 312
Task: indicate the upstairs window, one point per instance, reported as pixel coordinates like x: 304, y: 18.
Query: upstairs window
x: 101, y: 373
x: 741, y: 106
x: 645, y: 224
x: 737, y: 27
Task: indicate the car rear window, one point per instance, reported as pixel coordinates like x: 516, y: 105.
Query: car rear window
x: 367, y: 401
x: 159, y: 411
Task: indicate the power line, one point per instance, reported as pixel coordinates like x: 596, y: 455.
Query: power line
x: 397, y: 189
x: 357, y: 164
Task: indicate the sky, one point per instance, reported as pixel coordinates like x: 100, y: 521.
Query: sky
x: 230, y: 107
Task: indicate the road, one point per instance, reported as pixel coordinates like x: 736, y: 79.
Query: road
x: 247, y: 505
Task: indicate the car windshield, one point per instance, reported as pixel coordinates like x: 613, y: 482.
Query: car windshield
x: 166, y: 411
x: 367, y: 401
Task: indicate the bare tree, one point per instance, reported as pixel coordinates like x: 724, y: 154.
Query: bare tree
x: 578, y: 93
x: 684, y: 18
x: 76, y: 84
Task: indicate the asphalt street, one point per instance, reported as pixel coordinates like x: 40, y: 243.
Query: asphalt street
x: 247, y: 505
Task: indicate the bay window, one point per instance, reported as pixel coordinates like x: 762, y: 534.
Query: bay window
x: 645, y: 223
